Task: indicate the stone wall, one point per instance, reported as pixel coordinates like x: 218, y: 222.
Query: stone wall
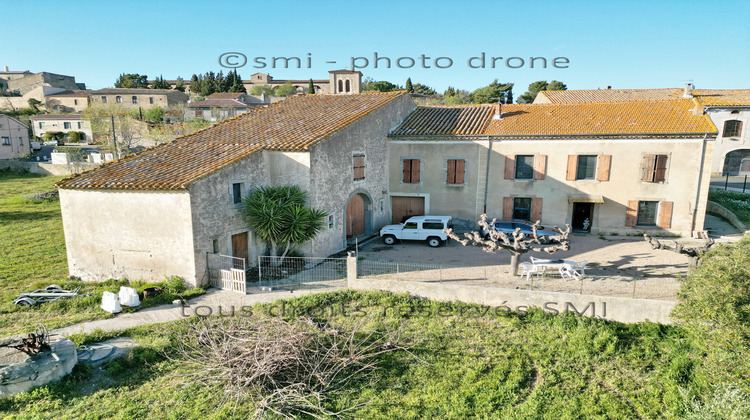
x: 19, y: 372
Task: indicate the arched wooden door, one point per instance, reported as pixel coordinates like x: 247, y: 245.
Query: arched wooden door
x: 355, y: 216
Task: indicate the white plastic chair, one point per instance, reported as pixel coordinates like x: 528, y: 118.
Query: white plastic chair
x: 528, y: 270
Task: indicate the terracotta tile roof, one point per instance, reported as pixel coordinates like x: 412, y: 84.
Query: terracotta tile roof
x: 56, y: 117
x: 294, y: 124
x: 225, y: 95
x: 707, y: 97
x: 568, y: 119
x: 446, y: 120
x: 72, y: 94
x: 129, y: 91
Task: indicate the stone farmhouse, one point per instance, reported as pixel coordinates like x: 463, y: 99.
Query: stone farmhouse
x: 160, y: 211
x: 369, y: 159
x: 14, y: 138
x: 138, y: 98
x: 728, y: 108
x: 626, y: 166
x: 222, y: 105
x: 62, y: 123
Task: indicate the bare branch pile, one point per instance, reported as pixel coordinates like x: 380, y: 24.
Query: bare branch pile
x: 694, y: 254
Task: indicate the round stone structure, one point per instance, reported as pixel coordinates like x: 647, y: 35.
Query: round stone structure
x: 20, y: 371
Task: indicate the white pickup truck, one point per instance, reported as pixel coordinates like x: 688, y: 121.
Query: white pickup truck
x: 418, y: 228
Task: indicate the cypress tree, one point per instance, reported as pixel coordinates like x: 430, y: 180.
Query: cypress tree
x: 310, y: 87
x: 409, y: 86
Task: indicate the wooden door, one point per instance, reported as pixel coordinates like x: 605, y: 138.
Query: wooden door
x: 355, y: 216
x: 239, y: 246
x: 406, y: 206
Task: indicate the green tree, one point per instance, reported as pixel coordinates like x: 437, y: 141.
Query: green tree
x: 134, y: 80
x: 280, y: 217
x: 381, y: 86
x: 180, y: 85
x: 453, y: 96
x: 311, y: 87
x: 34, y: 104
x: 236, y: 84
x: 159, y: 83
x: 285, y: 89
x: 74, y: 136
x: 490, y: 93
x: 258, y: 90
x: 538, y: 86
x: 423, y: 89
x: 409, y: 86
x: 154, y: 115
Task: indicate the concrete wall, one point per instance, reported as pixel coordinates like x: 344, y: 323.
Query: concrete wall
x: 17, y: 134
x: 725, y: 145
x: 624, y: 183
x: 332, y: 182
x: 606, y: 307
x: 715, y: 208
x: 139, y: 235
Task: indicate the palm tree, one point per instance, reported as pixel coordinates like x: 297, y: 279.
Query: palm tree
x: 280, y: 218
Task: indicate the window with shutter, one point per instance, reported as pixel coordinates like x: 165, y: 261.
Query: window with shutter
x: 359, y: 167
x: 524, y: 166
x: 602, y: 167
x: 411, y: 171
x: 536, y: 209
x: 540, y: 166
x: 455, y: 171
x: 631, y: 213
x: 510, y: 166
x: 586, y: 168
x: 507, y: 208
x: 647, y: 213
x: 654, y: 168
x: 570, y: 175
x: 665, y: 214
x: 522, y: 209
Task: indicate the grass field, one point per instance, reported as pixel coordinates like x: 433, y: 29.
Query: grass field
x: 32, y: 255
x: 504, y: 366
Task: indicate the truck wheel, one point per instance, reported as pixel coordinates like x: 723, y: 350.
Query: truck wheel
x: 389, y: 239
x: 434, y: 241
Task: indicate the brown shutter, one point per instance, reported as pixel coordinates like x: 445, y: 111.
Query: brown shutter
x: 602, y: 168
x: 665, y: 214
x: 540, y: 166
x: 451, y: 176
x: 460, y: 167
x: 536, y: 209
x: 647, y: 168
x: 407, y: 171
x: 631, y: 213
x: 415, y: 171
x: 660, y: 171
x: 572, y: 166
x: 510, y: 166
x: 507, y: 208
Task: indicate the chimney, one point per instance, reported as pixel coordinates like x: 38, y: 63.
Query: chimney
x: 688, y: 90
x: 498, y: 111
x: 698, y: 109
x: 609, y: 87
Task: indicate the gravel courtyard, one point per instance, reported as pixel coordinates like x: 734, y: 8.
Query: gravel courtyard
x: 617, y: 266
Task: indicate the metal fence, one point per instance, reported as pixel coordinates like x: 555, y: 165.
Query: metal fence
x: 294, y: 273
x: 227, y: 272
x: 737, y: 183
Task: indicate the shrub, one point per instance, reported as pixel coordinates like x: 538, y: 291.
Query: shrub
x: 74, y: 136
x: 47, y: 136
x: 174, y: 284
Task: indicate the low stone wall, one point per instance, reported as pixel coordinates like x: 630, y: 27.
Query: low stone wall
x: 45, y: 168
x: 719, y: 210
x: 19, y: 372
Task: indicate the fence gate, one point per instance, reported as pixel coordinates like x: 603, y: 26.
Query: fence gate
x: 227, y: 272
x: 293, y: 273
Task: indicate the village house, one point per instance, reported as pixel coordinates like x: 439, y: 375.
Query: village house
x: 222, y: 105
x: 62, y: 123
x: 161, y: 211
x: 728, y: 109
x: 14, y: 138
x: 17, y: 87
x: 138, y: 98
x: 627, y: 167
x: 68, y: 101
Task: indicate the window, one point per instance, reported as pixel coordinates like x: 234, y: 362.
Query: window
x: 438, y: 225
x: 75, y: 101
x: 411, y: 171
x: 80, y: 125
x: 2, y: 126
x: 732, y: 128
x: 215, y: 246
x: 198, y: 113
x: 66, y: 125
x: 521, y: 209
x: 410, y: 225
x: 647, y: 213
x: 359, y: 167
x: 455, y: 171
x: 41, y: 125
x: 150, y: 99
x: 104, y: 99
x: 348, y: 86
x: 524, y: 166
x: 20, y: 141
x: 134, y: 99
x: 586, y: 167
x: 330, y: 221
x: 118, y: 99
x: 237, y: 193
x: 654, y: 168
x: 214, y: 113
x: 341, y: 86
x: 6, y: 141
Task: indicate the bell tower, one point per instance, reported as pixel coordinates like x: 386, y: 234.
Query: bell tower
x: 345, y: 81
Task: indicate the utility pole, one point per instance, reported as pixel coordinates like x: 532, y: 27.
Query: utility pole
x: 114, y: 139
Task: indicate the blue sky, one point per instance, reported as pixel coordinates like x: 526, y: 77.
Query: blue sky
x: 625, y: 44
